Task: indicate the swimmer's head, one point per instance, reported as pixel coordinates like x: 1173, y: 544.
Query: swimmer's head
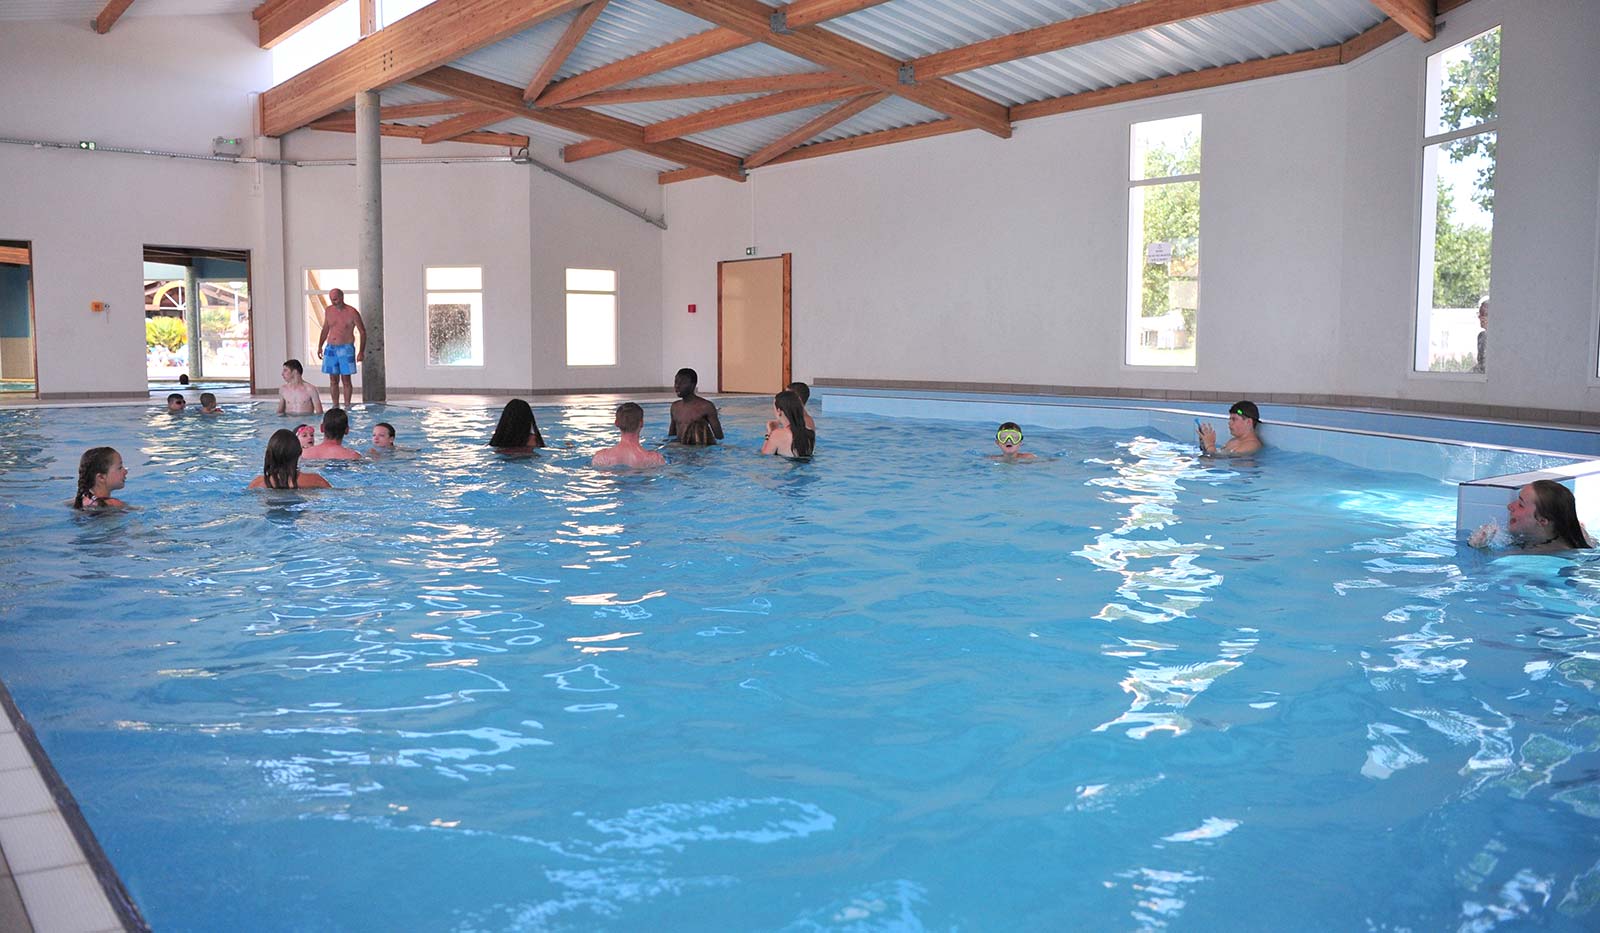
x: 335, y: 424
x: 802, y: 390
x: 294, y: 367
x: 1246, y: 410
x: 685, y: 382
x: 208, y: 400
x: 383, y: 434
x: 630, y: 417
x: 1008, y: 437
x: 307, y: 435
x: 175, y: 402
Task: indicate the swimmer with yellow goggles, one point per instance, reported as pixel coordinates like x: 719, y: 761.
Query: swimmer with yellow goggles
x: 1009, y: 439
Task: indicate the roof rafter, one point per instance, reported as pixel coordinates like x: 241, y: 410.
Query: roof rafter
x: 725, y: 88
x: 1415, y: 15
x: 277, y: 20
x: 822, y: 123
x: 834, y: 52
x: 745, y: 111
x: 590, y: 148
x: 439, y: 33
x: 507, y: 99
x: 1079, y: 30
x: 692, y: 49
x: 456, y: 126
x: 509, y: 140
x: 576, y: 30
x: 108, y: 17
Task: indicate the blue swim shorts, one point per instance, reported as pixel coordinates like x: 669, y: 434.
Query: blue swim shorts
x: 339, y: 359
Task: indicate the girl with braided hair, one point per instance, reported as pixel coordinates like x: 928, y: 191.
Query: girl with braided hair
x: 100, y: 473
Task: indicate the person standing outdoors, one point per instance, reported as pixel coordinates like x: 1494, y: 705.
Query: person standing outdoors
x: 340, y: 324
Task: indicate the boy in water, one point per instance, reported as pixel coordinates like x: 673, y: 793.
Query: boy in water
x: 297, y: 396
x: 630, y: 418
x: 335, y: 425
x: 340, y: 324
x: 382, y: 439
x: 1009, y: 439
x: 690, y: 407
x: 208, y: 404
x: 176, y: 403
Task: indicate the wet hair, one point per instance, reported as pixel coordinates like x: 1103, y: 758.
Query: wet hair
x: 1557, y: 505
x: 208, y: 398
x: 517, y: 426
x: 387, y: 427
x: 176, y: 397
x: 335, y: 424
x: 1247, y: 409
x: 95, y: 462
x: 802, y: 390
x: 1008, y: 426
x: 280, y: 468
x: 697, y: 434
x: 630, y: 417
x: 804, y: 440
x: 689, y: 379
x: 294, y: 365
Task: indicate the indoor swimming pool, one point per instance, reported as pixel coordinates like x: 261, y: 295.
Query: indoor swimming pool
x: 901, y: 687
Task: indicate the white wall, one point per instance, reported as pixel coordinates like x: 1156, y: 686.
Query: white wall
x: 967, y: 258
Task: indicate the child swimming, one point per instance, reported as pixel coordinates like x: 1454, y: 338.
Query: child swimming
x: 100, y: 473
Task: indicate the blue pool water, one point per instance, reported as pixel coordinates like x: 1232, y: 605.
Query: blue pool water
x: 901, y: 687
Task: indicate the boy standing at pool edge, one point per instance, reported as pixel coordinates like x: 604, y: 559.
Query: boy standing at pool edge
x: 340, y: 324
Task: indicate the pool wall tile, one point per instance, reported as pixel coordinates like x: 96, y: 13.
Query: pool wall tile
x: 55, y: 902
x: 23, y: 791
x: 38, y: 841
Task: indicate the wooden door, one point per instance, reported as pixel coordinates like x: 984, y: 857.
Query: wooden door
x: 753, y: 325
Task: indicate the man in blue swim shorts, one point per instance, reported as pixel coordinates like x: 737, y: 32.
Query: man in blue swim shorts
x: 340, y: 324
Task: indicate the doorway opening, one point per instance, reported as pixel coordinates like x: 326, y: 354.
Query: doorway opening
x: 18, y: 361
x: 197, y: 317
x: 753, y: 306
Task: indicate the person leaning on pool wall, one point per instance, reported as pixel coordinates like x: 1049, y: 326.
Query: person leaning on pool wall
x: 1244, y: 421
x: 1542, y: 519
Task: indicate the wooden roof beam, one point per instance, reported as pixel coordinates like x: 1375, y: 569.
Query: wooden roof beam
x: 456, y: 126
x: 277, y: 20
x: 1079, y: 30
x: 495, y: 95
x: 745, y: 111
x: 509, y: 140
x: 432, y: 108
x: 590, y: 148
x: 1415, y: 15
x: 108, y: 17
x: 822, y: 123
x: 753, y: 19
x: 576, y: 30
x: 832, y: 147
x: 692, y: 49
x: 439, y: 33
x: 726, y: 88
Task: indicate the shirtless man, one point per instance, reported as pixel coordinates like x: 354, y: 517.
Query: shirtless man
x: 340, y: 324
x: 690, y: 407
x: 297, y: 396
x: 630, y: 418
x: 335, y: 425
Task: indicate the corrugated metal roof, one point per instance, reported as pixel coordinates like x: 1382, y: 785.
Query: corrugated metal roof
x: 86, y: 10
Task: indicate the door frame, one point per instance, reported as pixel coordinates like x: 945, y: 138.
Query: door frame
x: 788, y: 265
x: 249, y: 284
x: 33, y: 320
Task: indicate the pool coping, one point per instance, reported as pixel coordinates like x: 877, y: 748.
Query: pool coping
x: 74, y: 886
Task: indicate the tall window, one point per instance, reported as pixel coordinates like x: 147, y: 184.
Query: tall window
x: 1163, y: 242
x: 317, y: 40
x: 319, y: 282
x: 591, y: 317
x: 455, y: 315
x: 1458, y: 158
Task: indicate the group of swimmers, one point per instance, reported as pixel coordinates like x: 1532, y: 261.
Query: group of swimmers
x: 1543, y: 518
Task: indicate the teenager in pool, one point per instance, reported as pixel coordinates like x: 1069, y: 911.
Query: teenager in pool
x: 297, y: 396
x: 382, y: 439
x: 690, y: 407
x: 517, y: 433
x: 335, y: 425
x: 1542, y: 519
x: 1008, y: 437
x: 100, y: 473
x: 280, y: 468
x: 1244, y: 421
x: 789, y: 436
x: 628, y: 452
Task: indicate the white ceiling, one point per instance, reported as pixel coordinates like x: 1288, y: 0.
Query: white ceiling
x: 86, y: 10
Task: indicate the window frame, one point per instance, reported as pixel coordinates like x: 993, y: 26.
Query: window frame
x: 1420, y: 199
x: 480, y: 330
x: 1133, y: 275
x: 616, y: 316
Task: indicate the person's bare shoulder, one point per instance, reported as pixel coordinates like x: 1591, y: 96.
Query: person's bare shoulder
x: 314, y: 481
x: 605, y: 458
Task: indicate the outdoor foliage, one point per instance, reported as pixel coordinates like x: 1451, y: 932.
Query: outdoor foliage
x: 166, y: 332
x: 1171, y: 215
x: 1471, y: 95
x: 1460, y: 258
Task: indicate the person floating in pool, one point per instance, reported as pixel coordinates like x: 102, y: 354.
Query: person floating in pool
x: 1542, y: 519
x: 100, y: 473
x: 335, y: 425
x: 208, y: 404
x: 176, y: 403
x: 307, y: 435
x: 280, y: 468
x: 1244, y: 420
x: 628, y: 452
x: 297, y: 396
x: 340, y: 324
x: 697, y: 434
x: 382, y: 439
x: 1008, y: 437
x: 690, y: 407
x: 787, y: 434
x: 517, y: 433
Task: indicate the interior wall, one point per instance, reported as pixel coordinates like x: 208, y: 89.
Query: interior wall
x: 971, y: 259
x: 169, y: 83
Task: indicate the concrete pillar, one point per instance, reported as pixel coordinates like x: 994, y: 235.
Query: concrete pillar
x: 369, y: 195
x: 191, y: 319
